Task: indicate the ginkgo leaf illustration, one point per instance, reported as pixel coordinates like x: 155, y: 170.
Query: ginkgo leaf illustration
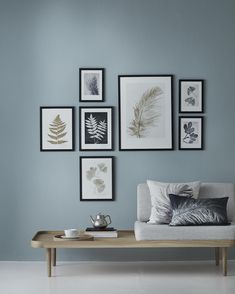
x: 145, y: 113
x: 91, y: 173
x: 57, y: 128
x: 99, y: 184
x: 96, y: 130
x: 102, y: 167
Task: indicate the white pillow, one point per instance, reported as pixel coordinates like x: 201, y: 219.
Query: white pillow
x: 161, y: 211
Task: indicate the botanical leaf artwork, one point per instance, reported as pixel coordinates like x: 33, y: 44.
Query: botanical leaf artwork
x: 95, y: 174
x: 190, y: 135
x: 57, y: 133
x: 146, y: 113
x: 92, y: 84
x: 192, y: 96
x: 96, y: 129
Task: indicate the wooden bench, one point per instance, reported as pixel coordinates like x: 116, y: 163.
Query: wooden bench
x: 126, y: 239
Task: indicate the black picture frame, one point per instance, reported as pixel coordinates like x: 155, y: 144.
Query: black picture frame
x: 91, y: 90
x: 191, y: 96
x: 167, y: 80
x: 88, y: 176
x: 100, y: 120
x: 189, y: 135
x: 50, y: 119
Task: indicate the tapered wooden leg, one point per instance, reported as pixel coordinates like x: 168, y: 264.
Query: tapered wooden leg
x: 53, y: 256
x: 217, y: 255
x: 49, y: 262
x: 224, y: 260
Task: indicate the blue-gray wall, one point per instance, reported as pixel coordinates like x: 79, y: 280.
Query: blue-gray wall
x: 42, y: 45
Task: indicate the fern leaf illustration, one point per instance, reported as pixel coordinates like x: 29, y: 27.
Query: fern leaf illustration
x: 145, y: 113
x: 56, y: 131
x: 94, y: 129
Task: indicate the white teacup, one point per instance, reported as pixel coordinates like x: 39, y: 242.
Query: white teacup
x: 71, y: 233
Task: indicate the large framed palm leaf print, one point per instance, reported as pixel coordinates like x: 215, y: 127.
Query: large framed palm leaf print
x: 57, y: 128
x: 145, y: 112
x: 96, y: 128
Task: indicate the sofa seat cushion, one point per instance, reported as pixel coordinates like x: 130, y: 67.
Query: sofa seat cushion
x: 145, y: 231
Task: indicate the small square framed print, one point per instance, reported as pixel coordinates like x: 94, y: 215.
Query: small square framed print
x: 57, y: 128
x: 96, y: 128
x: 91, y: 82
x: 96, y: 178
x: 191, y: 133
x: 191, y: 96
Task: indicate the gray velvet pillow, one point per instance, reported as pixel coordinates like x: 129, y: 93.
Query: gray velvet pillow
x: 189, y: 212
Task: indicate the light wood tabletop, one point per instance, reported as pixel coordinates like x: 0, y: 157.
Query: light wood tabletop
x: 126, y: 239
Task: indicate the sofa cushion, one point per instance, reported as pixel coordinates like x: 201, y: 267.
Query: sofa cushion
x: 191, y: 212
x: 161, y: 211
x: 145, y: 231
x: 207, y: 190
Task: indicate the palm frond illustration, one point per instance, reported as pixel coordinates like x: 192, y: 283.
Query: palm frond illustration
x: 57, y: 133
x: 145, y: 113
x: 96, y: 130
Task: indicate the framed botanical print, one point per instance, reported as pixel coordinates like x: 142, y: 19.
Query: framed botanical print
x: 145, y: 112
x: 57, y: 128
x: 191, y: 133
x: 91, y: 83
x: 96, y: 128
x: 191, y: 96
x: 96, y: 178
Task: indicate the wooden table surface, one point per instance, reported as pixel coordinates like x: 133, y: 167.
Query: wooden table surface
x: 126, y: 239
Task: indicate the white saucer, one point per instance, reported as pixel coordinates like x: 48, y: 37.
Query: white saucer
x: 65, y: 237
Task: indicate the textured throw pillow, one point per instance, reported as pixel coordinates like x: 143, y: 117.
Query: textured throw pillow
x: 161, y: 211
x: 190, y: 212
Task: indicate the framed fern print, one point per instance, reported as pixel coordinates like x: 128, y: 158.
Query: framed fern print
x: 96, y: 128
x: 191, y: 133
x: 145, y: 112
x: 57, y: 128
x: 91, y: 82
x: 96, y: 178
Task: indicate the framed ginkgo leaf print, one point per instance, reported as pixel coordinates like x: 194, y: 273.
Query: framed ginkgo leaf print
x: 145, y: 112
x: 191, y: 133
x: 57, y: 128
x: 96, y: 178
x: 96, y: 128
x: 191, y: 96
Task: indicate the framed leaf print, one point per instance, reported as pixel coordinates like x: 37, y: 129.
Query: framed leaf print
x: 57, y: 128
x: 96, y: 128
x: 145, y: 112
x: 96, y: 178
x: 191, y: 96
x: 91, y: 82
x: 191, y: 133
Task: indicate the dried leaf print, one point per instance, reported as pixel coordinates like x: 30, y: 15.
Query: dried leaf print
x: 96, y: 130
x: 102, y: 167
x: 92, y: 85
x: 91, y: 173
x: 190, y: 135
x: 145, y: 113
x: 57, y: 133
x: 94, y: 175
x: 99, y: 184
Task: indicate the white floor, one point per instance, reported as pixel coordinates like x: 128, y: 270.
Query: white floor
x: 117, y: 277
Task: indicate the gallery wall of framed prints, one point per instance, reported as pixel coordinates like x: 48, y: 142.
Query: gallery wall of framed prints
x: 145, y: 115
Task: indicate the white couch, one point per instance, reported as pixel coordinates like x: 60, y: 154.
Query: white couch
x: 220, y: 237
